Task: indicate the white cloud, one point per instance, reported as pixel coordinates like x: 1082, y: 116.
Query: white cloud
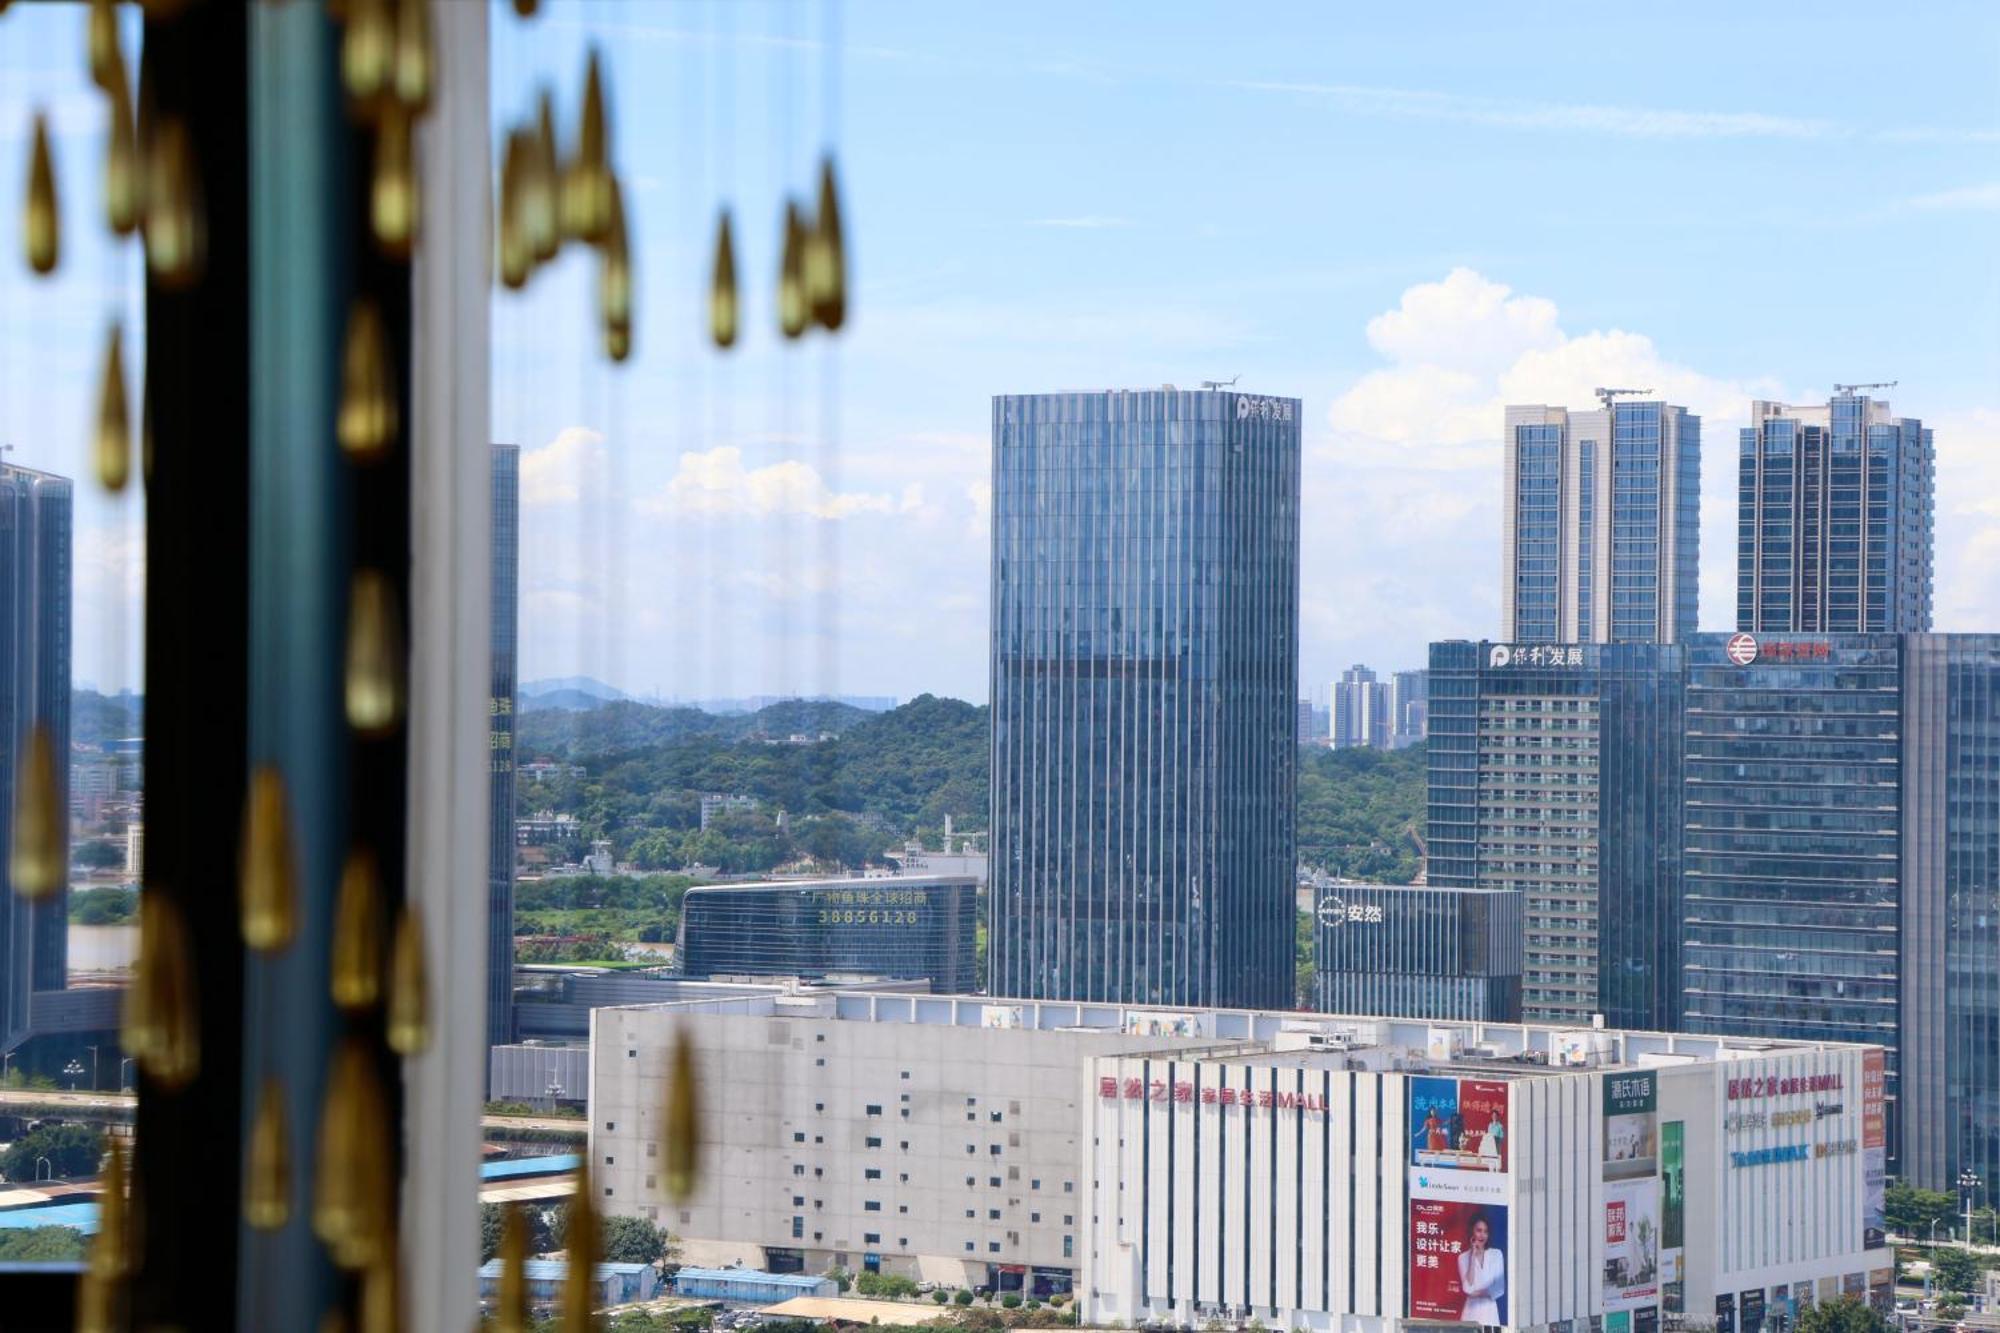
x: 1969, y: 198
x: 1967, y: 572
x: 1621, y: 121
x: 566, y: 470
x: 716, y: 482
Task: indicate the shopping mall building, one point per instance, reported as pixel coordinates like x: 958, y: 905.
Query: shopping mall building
x: 1176, y: 1166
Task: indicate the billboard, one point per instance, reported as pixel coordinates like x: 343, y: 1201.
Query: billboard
x: 1460, y: 1124
x: 1631, y: 1243
x: 1458, y: 1261
x: 1673, y: 1185
x: 1874, y: 1149
x: 1631, y: 1125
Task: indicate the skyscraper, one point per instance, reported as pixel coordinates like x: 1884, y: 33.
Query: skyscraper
x: 1359, y: 705
x: 500, y: 738
x: 35, y: 517
x: 1834, y: 511
x: 1601, y: 523
x: 1555, y: 771
x: 1145, y: 657
x: 1843, y: 793
x: 1409, y: 707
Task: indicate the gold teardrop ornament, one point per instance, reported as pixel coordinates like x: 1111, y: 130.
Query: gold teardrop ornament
x: 38, y: 863
x: 582, y: 1244
x: 353, y: 1200
x: 683, y: 1168
x: 415, y: 56
x: 542, y: 228
x: 367, y: 50
x: 517, y: 255
x: 722, y: 287
x: 614, y: 281
x: 121, y: 162
x: 161, y: 1023
x: 176, y: 235
x: 510, y: 1314
x: 382, y: 1295
x: 366, y: 422
x: 825, y: 256
x: 586, y: 185
x: 269, y: 865
x: 41, y: 227
x: 409, y: 1017
x: 103, y: 43
x: 267, y: 1169
x: 114, y: 423
x: 374, y: 655
x: 526, y: 8
x: 793, y: 312
x: 357, y: 934
x: 392, y: 190
x: 111, y: 1249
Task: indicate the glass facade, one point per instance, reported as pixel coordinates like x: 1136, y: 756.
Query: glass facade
x: 35, y: 555
x: 1602, y: 527
x: 1418, y: 951
x: 500, y: 741
x: 1554, y: 771
x: 1144, y: 664
x: 907, y: 928
x: 1835, y: 508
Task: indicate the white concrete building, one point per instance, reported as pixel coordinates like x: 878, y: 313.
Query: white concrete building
x: 1178, y: 1166
x: 1378, y: 1173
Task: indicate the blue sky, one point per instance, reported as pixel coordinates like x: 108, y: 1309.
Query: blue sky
x: 1405, y: 216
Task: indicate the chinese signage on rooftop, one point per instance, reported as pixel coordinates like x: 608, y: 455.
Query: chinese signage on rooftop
x: 1535, y: 654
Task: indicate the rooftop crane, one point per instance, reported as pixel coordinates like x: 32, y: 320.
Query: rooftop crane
x: 1844, y: 389
x: 1606, y: 395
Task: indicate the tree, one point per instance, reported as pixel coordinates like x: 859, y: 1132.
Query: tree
x: 1956, y: 1269
x: 41, y: 1245
x: 100, y: 854
x: 70, y: 1150
x: 633, y: 1240
x: 1910, y: 1211
x: 108, y: 906
x: 1846, y: 1315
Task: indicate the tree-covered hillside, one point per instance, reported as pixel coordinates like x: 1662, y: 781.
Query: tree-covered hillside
x: 1361, y: 812
x: 881, y: 777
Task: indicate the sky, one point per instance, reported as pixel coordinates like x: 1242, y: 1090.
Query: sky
x: 1406, y: 218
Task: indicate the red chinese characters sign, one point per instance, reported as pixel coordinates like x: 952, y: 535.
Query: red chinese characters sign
x: 1741, y: 1089
x: 1159, y: 1090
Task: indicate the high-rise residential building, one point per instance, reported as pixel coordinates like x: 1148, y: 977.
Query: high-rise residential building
x: 1555, y: 771
x: 1601, y: 523
x: 1834, y: 508
x: 1304, y: 714
x: 500, y: 738
x: 1409, y: 707
x: 1359, y: 705
x: 1144, y: 668
x: 1842, y: 798
x: 35, y: 576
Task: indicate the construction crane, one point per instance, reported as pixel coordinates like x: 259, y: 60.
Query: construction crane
x: 1229, y: 383
x: 1606, y: 395
x: 1843, y: 390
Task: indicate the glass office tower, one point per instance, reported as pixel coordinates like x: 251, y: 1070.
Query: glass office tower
x: 1834, y: 516
x: 1843, y: 847
x: 904, y: 927
x: 1418, y: 951
x: 1555, y: 771
x: 1601, y: 524
x: 1144, y: 668
x: 500, y: 741
x: 35, y: 555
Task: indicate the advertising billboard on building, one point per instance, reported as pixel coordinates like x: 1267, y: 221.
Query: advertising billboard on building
x: 1874, y: 1149
x: 1458, y: 1261
x: 1460, y: 1124
x: 1631, y: 1125
x: 1673, y: 1185
x: 1631, y: 1243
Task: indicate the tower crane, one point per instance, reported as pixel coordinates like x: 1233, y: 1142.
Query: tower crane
x: 1844, y: 389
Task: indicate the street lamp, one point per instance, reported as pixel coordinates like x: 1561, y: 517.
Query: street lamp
x: 123, y: 1085
x: 73, y: 1071
x: 1968, y: 1185
x: 93, y: 1067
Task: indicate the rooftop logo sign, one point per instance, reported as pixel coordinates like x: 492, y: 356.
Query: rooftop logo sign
x: 1742, y: 649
